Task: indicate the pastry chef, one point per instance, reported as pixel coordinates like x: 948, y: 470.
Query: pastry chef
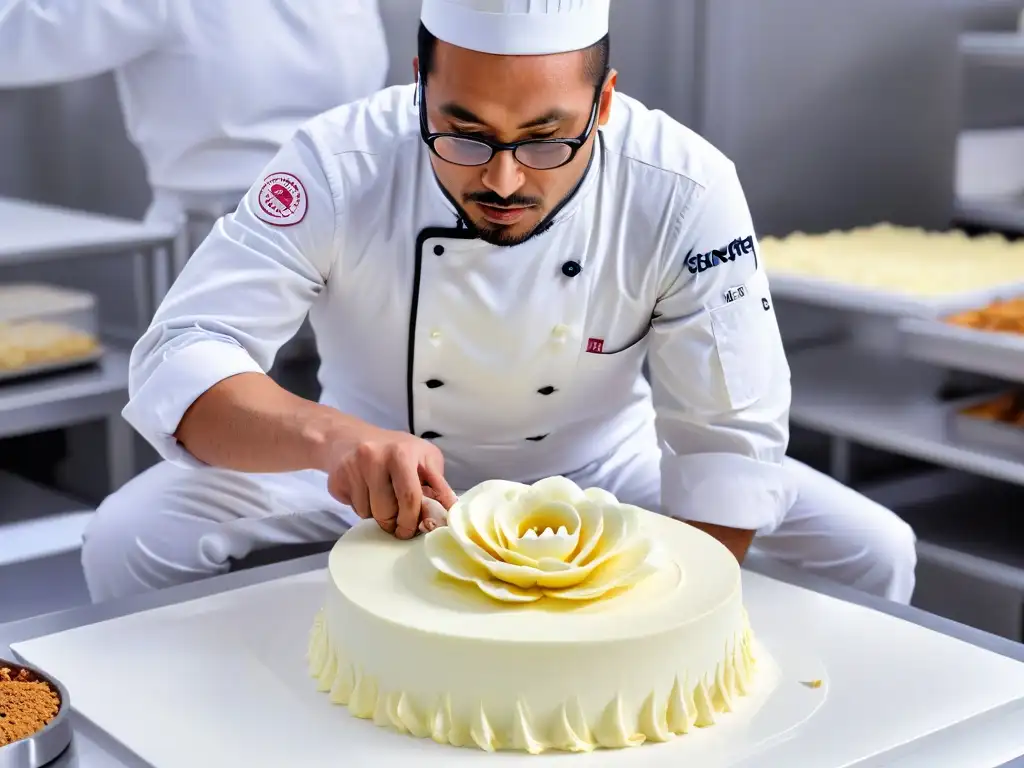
x: 487, y: 258
x: 210, y: 90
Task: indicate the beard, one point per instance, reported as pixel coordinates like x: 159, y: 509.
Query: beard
x: 499, y: 234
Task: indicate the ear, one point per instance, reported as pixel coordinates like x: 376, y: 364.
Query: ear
x: 604, y: 111
x: 415, y: 68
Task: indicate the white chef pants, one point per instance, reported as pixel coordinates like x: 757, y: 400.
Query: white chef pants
x: 172, y: 525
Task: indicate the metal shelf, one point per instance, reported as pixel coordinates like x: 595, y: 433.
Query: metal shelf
x: 1000, y: 355
x: 886, y: 403
x: 820, y: 291
x: 1003, y: 212
x: 36, y: 232
x: 974, y: 560
x: 60, y: 400
x: 1004, y: 49
x: 75, y: 397
x: 36, y: 522
x: 988, y: 544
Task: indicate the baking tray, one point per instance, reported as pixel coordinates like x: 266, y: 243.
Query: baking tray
x: 46, y: 745
x: 984, y: 434
x: 54, y: 366
x: 854, y: 298
x: 992, y: 353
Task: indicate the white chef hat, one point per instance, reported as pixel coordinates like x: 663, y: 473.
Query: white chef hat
x: 517, y: 27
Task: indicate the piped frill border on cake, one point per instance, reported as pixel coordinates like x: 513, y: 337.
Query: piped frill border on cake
x: 686, y: 706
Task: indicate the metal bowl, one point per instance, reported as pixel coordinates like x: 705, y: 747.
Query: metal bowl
x: 48, y: 744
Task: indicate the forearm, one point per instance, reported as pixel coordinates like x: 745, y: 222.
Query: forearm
x: 250, y: 424
x: 736, y: 540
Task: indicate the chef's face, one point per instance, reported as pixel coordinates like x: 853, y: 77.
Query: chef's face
x: 509, y: 99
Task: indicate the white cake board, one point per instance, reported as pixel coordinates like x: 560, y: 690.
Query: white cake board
x: 222, y: 681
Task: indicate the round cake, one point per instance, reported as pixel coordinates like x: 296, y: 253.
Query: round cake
x: 542, y: 617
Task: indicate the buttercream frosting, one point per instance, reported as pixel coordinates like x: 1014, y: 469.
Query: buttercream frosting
x: 403, y: 642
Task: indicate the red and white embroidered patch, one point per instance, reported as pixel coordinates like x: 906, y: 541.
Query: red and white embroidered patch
x: 282, y: 200
x: 595, y: 345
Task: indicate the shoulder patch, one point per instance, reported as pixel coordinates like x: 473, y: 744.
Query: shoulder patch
x: 282, y: 200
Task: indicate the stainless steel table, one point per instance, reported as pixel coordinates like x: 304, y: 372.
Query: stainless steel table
x: 95, y: 393
x: 31, y: 233
x: 62, y: 400
x: 93, y: 749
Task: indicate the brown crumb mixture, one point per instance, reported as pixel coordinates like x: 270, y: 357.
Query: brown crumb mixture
x: 27, y: 704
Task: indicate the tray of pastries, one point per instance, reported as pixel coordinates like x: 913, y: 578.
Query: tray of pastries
x: 892, y: 270
x: 45, y: 328
x: 986, y: 339
x: 993, y: 423
x: 998, y: 316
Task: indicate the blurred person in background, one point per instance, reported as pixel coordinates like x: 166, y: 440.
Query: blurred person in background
x: 210, y: 90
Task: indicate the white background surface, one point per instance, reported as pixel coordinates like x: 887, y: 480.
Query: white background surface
x: 222, y: 681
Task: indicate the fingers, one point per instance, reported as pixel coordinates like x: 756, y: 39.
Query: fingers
x: 383, y: 504
x: 408, y: 494
x: 338, y: 488
x: 433, y: 476
x: 340, y: 484
x: 391, y: 483
x: 359, y: 494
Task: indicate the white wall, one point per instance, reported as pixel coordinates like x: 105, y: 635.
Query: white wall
x: 842, y: 113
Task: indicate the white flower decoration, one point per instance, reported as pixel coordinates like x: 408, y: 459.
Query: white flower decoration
x: 519, y: 543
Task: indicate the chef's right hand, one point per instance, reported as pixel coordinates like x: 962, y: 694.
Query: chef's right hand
x: 385, y: 475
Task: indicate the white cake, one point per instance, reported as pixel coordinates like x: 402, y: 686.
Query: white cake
x: 543, y: 617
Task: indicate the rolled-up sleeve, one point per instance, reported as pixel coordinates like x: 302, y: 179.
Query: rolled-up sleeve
x: 718, y: 370
x: 51, y: 41
x: 242, y: 295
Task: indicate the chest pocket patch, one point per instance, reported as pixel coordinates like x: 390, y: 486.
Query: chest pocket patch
x: 603, y: 380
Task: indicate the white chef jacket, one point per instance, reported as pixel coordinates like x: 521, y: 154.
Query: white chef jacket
x: 210, y: 89
x: 516, y: 363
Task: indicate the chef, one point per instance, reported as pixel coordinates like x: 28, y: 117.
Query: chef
x: 487, y: 258
x: 210, y: 89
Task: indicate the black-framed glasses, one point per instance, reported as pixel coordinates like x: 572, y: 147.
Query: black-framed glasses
x: 538, y: 154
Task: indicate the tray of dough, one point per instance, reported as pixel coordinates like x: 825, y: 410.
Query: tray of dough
x: 45, y: 328
x: 988, y: 339
x: 894, y: 271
